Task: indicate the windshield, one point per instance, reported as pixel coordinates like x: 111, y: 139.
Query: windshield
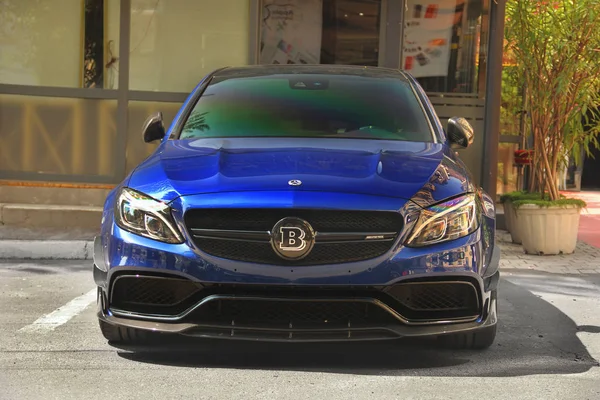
x: 309, y: 105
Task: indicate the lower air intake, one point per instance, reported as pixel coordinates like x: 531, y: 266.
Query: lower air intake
x: 152, y: 294
x: 276, y: 313
x: 436, y: 300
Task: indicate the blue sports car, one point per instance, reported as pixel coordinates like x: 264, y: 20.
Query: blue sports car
x: 301, y: 203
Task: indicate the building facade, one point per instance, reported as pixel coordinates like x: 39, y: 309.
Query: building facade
x: 79, y: 77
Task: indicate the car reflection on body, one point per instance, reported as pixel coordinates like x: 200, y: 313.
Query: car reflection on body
x: 301, y: 203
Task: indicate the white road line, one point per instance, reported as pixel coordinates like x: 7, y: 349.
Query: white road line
x: 61, y: 315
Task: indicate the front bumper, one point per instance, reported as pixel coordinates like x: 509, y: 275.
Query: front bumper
x: 291, y: 334
x: 389, y: 324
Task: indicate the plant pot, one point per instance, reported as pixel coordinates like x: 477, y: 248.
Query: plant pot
x: 512, y: 226
x: 508, y: 217
x: 548, y: 230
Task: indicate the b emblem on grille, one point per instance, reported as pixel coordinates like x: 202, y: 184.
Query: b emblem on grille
x: 294, y: 182
x: 292, y: 238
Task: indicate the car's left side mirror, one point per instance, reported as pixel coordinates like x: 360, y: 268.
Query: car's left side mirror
x: 460, y: 132
x: 154, y: 129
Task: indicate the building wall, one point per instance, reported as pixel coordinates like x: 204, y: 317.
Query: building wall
x: 74, y: 94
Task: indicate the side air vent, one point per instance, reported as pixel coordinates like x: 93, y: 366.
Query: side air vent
x: 156, y: 295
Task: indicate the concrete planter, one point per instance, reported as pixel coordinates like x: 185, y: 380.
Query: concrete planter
x: 510, y: 217
x: 548, y: 230
x: 507, y: 217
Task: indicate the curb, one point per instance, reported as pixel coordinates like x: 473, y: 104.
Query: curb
x: 46, y: 249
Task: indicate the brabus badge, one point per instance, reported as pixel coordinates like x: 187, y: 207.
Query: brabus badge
x: 292, y: 238
x: 294, y: 182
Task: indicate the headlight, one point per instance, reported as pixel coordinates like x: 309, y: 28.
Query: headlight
x: 450, y: 220
x: 145, y: 216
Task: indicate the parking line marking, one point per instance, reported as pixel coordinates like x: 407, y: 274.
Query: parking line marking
x: 61, y: 315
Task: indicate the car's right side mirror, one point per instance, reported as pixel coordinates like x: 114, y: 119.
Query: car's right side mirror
x: 460, y: 133
x: 154, y: 129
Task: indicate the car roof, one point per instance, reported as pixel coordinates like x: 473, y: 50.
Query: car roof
x: 320, y: 69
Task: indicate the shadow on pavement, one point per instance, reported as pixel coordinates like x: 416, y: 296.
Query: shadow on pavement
x: 588, y: 328
x: 576, y: 285
x: 39, y: 271
x: 534, y: 337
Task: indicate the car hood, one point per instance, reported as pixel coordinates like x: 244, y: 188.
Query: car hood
x: 425, y: 172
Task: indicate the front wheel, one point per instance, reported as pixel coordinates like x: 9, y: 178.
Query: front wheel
x: 479, y: 339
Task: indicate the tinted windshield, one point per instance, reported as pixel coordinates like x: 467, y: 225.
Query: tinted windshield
x: 310, y: 105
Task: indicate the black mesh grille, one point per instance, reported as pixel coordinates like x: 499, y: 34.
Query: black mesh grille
x: 275, y: 313
x: 262, y: 220
x: 323, y: 253
x: 436, y: 299
x: 139, y: 294
x: 321, y: 220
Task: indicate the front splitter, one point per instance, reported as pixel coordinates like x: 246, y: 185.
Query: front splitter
x: 237, y: 332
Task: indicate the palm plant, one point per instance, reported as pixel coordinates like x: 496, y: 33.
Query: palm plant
x: 556, y: 45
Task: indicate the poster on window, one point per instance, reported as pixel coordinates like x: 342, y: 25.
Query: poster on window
x: 291, y: 31
x: 428, y: 37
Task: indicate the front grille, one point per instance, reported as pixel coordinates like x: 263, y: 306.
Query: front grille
x: 281, y: 314
x: 436, y: 300
x: 262, y: 221
x: 324, y: 253
x: 152, y: 294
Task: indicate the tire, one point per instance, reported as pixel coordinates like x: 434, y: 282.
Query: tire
x: 479, y: 339
x: 124, y: 335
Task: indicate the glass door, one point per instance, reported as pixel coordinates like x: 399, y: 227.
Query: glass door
x: 320, y: 32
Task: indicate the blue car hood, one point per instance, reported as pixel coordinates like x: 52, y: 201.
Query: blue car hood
x: 427, y: 172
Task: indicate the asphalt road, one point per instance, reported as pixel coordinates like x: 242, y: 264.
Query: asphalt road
x: 51, y: 348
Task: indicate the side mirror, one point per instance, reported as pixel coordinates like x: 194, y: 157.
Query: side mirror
x: 154, y: 128
x: 460, y: 133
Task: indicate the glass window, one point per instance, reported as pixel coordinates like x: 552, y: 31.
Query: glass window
x: 309, y: 105
x: 40, y: 42
x: 444, y: 42
x: 513, y: 127
x: 508, y: 174
x: 101, y: 36
x: 80, y: 51
x: 111, y: 55
x: 320, y: 32
x: 175, y: 43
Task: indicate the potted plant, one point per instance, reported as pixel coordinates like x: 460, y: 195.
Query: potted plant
x: 508, y: 201
x: 548, y: 227
x: 555, y: 45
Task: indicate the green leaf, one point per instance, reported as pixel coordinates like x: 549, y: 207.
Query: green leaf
x: 558, y: 62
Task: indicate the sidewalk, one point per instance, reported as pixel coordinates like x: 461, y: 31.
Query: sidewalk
x: 585, y: 260
x: 46, y: 249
